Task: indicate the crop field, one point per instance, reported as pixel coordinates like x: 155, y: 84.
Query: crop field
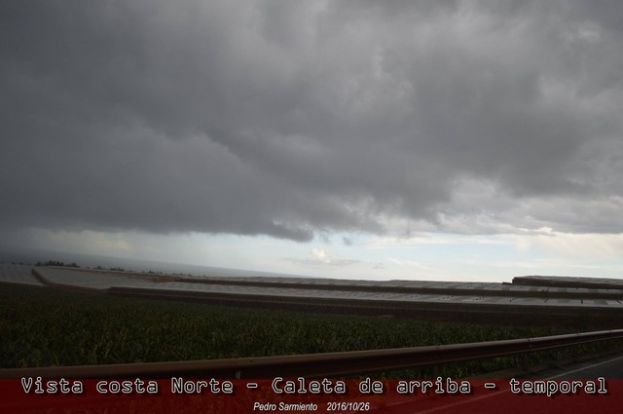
x: 43, y: 327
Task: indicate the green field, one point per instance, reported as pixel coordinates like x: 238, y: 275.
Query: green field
x: 43, y: 326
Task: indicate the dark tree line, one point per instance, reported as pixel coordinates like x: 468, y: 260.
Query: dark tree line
x: 57, y: 263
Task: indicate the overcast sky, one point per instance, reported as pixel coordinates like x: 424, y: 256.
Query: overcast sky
x: 445, y: 139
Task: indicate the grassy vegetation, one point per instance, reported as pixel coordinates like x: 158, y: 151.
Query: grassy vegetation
x: 41, y: 327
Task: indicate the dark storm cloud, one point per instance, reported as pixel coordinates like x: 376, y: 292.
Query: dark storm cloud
x: 289, y: 118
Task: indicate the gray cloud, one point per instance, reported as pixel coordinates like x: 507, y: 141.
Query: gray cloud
x: 293, y: 118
